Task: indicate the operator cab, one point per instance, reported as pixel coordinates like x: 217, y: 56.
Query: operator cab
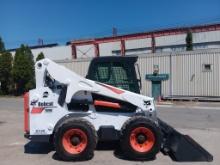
x: 117, y: 71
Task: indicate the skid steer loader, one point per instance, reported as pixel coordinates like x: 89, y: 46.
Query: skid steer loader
x: 74, y: 113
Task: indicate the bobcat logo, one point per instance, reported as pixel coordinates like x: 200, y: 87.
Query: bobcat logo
x: 33, y: 102
x: 45, y: 104
x: 42, y: 104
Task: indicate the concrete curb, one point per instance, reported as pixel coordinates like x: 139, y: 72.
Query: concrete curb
x: 186, y: 107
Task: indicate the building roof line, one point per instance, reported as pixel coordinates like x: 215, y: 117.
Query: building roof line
x: 148, y: 34
x: 37, y: 46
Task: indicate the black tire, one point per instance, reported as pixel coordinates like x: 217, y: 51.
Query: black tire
x: 86, y: 132
x: 127, y: 140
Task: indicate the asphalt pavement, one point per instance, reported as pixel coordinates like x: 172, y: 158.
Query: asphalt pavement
x: 202, y: 124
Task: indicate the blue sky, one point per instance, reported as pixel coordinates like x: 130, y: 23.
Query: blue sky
x: 24, y: 21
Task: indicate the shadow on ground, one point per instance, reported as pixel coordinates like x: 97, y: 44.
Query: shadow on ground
x: 114, y: 145
x: 37, y: 148
x: 45, y: 148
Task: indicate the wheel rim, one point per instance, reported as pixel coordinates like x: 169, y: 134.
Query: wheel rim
x: 142, y: 139
x: 74, y: 141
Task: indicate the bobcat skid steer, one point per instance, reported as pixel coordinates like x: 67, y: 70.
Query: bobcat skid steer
x: 74, y: 113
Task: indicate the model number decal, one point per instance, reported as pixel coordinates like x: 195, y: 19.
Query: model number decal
x: 40, y: 131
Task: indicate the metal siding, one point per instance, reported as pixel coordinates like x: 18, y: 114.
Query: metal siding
x: 203, y: 37
x: 79, y: 67
x: 138, y: 43
x: 189, y: 79
x: 146, y: 67
x: 211, y: 45
x: 187, y: 76
x: 137, y: 52
x: 54, y: 53
x: 145, y: 64
x: 168, y: 40
x: 106, y: 49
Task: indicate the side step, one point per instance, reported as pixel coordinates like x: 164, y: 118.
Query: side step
x: 181, y: 147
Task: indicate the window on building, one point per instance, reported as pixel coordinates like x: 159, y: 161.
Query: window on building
x: 200, y: 46
x: 178, y: 49
x: 159, y: 50
x: 133, y: 51
x: 116, y: 52
x: 206, y: 67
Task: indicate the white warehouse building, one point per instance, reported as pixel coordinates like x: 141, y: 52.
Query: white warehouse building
x: 189, y: 73
x: 167, y: 40
x: 52, y: 51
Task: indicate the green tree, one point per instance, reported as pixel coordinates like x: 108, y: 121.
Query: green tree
x: 189, y: 41
x: 5, y: 72
x: 23, y: 70
x: 40, y: 56
x: 2, y: 46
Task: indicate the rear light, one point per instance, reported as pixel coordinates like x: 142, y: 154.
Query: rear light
x: 26, y: 112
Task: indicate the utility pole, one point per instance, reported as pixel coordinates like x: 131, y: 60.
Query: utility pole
x: 40, y: 42
x: 114, y: 31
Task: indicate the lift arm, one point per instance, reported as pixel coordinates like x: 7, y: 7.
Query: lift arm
x: 73, y: 81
